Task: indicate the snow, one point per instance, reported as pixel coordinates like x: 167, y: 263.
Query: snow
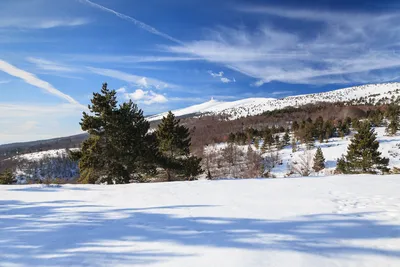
x: 326, y: 221
x: 255, y: 106
x: 37, y: 156
x: 389, y: 146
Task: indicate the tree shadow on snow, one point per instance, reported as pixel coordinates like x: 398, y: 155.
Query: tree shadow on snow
x: 46, y: 188
x: 74, y: 233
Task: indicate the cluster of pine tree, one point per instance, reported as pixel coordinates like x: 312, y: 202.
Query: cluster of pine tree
x: 120, y: 149
x: 307, y: 131
x: 249, y: 135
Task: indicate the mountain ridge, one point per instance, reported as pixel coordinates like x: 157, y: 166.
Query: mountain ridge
x: 255, y: 106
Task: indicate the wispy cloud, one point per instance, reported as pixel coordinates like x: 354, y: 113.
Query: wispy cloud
x: 127, y: 59
x: 278, y: 93
x: 138, y: 23
x: 140, y: 81
x: 40, y: 23
x: 50, y: 65
x: 35, y: 81
x: 338, y: 48
x: 4, y: 82
x: 220, y: 75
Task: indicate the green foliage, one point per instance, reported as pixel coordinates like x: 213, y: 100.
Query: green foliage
x: 173, y: 142
x: 341, y: 165
x: 192, y: 167
x: 7, y: 178
x: 392, y: 114
x: 286, y: 139
x: 119, y: 148
x: 362, y: 153
x: 319, y: 160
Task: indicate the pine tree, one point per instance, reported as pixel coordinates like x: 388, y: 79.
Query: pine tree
x: 341, y: 165
x: 174, y: 145
x: 286, y: 139
x: 362, y: 153
x: 119, y: 148
x: 7, y: 178
x: 319, y: 160
x: 392, y: 114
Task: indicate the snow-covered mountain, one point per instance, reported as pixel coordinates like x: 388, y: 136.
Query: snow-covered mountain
x: 255, y: 106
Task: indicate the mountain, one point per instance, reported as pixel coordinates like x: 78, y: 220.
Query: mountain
x: 253, y: 106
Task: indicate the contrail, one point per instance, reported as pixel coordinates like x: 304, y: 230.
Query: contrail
x: 138, y: 23
x: 35, y: 81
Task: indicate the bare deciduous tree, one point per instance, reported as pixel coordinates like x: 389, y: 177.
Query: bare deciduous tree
x: 303, y: 166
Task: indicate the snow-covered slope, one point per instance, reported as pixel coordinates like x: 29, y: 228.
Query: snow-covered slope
x: 254, y: 106
x: 342, y: 221
x: 389, y: 146
x: 36, y: 156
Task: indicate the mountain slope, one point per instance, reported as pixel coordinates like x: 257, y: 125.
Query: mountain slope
x: 255, y: 106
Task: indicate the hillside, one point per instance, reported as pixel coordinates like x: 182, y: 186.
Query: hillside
x: 342, y: 221
x: 371, y: 93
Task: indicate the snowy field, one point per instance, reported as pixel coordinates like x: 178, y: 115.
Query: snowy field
x: 325, y: 221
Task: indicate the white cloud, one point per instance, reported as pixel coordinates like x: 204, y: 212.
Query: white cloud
x: 146, y: 97
x: 35, y: 81
x: 4, y: 82
x: 50, y: 65
x: 40, y: 23
x: 339, y: 48
x: 121, y: 90
x: 226, y: 80
x: 133, y: 79
x: 220, y: 75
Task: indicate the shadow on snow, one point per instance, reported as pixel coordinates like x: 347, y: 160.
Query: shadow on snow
x: 68, y: 233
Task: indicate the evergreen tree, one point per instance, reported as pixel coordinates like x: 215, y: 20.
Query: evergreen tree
x: 286, y: 139
x: 174, y: 145
x: 362, y: 153
x: 7, y: 178
x: 192, y: 167
x: 392, y: 114
x: 341, y: 165
x: 319, y: 160
x: 119, y: 148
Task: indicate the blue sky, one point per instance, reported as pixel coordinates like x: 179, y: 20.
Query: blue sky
x: 170, y: 54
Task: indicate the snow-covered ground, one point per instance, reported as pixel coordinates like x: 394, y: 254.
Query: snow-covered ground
x: 389, y: 146
x: 322, y: 221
